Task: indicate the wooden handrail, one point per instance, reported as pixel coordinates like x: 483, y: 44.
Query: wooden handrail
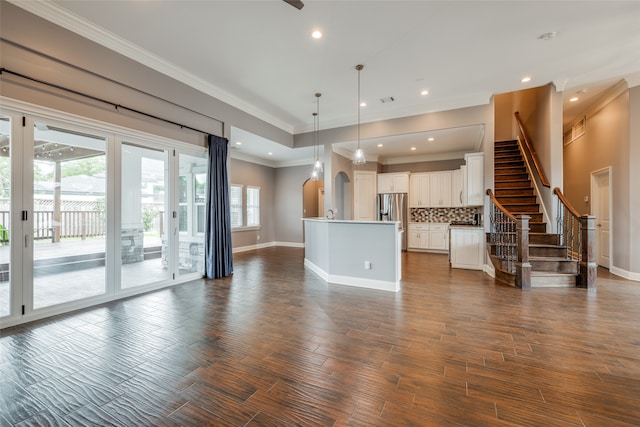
x: 532, y: 153
x: 499, y: 205
x: 564, y: 201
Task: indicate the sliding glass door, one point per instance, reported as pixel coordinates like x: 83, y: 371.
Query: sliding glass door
x: 145, y: 236
x: 88, y: 215
x: 5, y: 216
x: 69, y: 217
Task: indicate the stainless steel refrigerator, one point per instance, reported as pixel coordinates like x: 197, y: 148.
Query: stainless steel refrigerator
x: 393, y: 207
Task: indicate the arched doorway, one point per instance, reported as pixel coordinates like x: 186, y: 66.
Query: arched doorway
x: 342, y: 196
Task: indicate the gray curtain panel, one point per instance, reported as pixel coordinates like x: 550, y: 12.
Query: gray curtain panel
x: 218, y: 247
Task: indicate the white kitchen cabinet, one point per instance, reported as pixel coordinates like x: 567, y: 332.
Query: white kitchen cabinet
x: 438, y: 236
x: 474, y: 179
x: 393, y: 182
x: 419, y: 190
x: 440, y: 189
x: 418, y: 237
x: 456, y: 188
x: 467, y: 248
x: 428, y: 236
x: 364, y: 197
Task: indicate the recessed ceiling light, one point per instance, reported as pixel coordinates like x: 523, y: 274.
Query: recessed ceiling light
x: 316, y: 34
x: 413, y: 148
x: 526, y: 79
x: 363, y: 104
x: 270, y: 153
x: 238, y: 143
x: 574, y: 99
x: 547, y: 36
x: 424, y: 92
x: 379, y: 145
x: 430, y: 139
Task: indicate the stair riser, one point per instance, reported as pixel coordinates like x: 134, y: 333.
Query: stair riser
x: 547, y: 252
x: 544, y: 239
x: 512, y: 184
x: 530, y: 209
x: 560, y: 281
x: 507, y: 200
x: 534, y: 217
x: 509, y: 170
x: 554, y: 266
x: 507, y: 153
x: 505, y: 192
x: 537, y: 228
x: 512, y: 177
x: 508, y: 143
x: 508, y: 162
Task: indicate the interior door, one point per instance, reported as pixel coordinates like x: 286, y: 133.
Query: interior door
x: 601, y: 208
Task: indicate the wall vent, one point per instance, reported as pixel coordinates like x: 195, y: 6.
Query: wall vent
x: 577, y: 130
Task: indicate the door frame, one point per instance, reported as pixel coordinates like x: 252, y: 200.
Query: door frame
x: 595, y: 199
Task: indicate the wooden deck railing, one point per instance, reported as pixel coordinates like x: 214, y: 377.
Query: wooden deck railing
x: 509, y: 236
x: 73, y: 224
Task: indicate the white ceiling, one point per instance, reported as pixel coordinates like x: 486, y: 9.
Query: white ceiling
x: 259, y: 55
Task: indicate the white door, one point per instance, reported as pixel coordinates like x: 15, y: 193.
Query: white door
x: 601, y: 209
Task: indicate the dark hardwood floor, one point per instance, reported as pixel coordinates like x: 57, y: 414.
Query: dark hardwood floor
x: 274, y: 345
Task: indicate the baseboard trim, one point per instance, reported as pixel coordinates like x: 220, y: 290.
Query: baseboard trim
x: 625, y: 274
x: 488, y: 268
x: 359, y: 282
x: 267, y: 245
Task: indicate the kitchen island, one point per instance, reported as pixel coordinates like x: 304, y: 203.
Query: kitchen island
x: 355, y: 253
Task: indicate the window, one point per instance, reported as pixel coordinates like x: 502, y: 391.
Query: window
x: 253, y: 206
x: 235, y: 193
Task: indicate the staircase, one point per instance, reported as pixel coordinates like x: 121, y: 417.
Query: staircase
x: 550, y: 264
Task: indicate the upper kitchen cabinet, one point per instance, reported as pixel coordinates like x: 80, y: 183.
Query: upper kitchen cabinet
x: 473, y: 193
x: 440, y: 189
x: 364, y: 197
x: 457, y: 187
x: 393, y: 182
x: 419, y: 190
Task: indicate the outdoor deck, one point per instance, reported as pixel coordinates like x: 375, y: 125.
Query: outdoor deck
x: 63, y: 282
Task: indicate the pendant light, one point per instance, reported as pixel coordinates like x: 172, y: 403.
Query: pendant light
x: 317, y: 164
x: 315, y: 173
x: 358, y: 155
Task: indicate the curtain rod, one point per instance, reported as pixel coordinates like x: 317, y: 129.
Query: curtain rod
x: 115, y: 105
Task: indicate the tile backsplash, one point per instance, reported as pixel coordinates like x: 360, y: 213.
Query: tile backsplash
x: 442, y: 214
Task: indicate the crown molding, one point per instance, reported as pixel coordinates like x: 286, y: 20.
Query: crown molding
x: 58, y: 15
x: 422, y: 158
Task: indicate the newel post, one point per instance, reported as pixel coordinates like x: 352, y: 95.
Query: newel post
x: 588, y: 271
x: 523, y: 267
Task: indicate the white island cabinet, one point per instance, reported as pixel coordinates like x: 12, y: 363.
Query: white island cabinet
x: 466, y: 247
x: 355, y: 253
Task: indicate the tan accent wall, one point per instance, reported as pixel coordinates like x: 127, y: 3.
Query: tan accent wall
x: 249, y: 174
x: 634, y: 179
x: 605, y: 143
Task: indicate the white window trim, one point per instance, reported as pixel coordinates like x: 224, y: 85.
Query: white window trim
x: 242, y: 207
x: 246, y: 207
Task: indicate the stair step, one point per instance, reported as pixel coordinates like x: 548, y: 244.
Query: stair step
x: 517, y: 199
x: 540, y: 279
x: 520, y: 183
x: 508, y: 162
x: 544, y: 250
x: 543, y: 239
x: 509, y: 170
x: 521, y: 208
x: 513, y: 191
x: 505, y: 143
x: 507, y: 152
x: 537, y: 227
x: 553, y: 264
x: 512, y: 177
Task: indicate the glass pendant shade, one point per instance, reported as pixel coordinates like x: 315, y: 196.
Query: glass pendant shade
x: 317, y: 165
x: 358, y: 157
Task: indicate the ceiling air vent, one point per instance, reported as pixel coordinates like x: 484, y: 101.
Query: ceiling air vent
x: 387, y: 99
